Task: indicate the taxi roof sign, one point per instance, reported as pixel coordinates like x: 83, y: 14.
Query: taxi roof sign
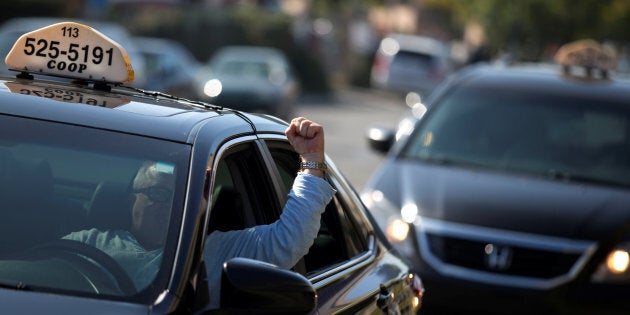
x: 71, y: 50
x: 587, y: 54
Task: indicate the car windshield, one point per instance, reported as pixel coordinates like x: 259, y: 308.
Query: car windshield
x: 411, y: 61
x: 244, y: 69
x: 558, y: 136
x: 65, y: 190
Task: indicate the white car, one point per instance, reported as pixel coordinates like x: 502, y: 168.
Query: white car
x: 409, y: 63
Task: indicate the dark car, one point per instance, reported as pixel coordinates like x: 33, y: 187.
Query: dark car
x: 69, y: 152
x: 170, y: 66
x: 511, y: 194
x: 251, y: 78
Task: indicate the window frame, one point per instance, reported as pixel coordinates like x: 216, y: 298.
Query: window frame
x: 255, y: 210
x: 354, y: 218
x: 347, y: 197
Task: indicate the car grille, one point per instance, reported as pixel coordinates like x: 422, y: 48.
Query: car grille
x: 523, y: 262
x: 501, y: 257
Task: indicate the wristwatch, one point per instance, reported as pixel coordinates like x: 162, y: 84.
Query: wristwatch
x: 313, y: 165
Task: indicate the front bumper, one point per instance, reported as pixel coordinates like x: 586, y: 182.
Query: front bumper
x: 543, y: 275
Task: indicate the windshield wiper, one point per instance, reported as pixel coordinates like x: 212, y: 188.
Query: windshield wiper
x: 448, y: 161
x: 441, y: 160
x: 568, y: 177
x: 15, y: 285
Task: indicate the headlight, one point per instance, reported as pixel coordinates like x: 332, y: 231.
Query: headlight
x: 394, y: 222
x: 212, y: 88
x: 405, y: 127
x: 615, y: 268
x: 397, y: 230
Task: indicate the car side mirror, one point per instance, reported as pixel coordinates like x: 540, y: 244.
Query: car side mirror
x: 381, y: 139
x: 253, y: 287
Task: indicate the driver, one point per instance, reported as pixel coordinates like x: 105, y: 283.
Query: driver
x: 139, y: 251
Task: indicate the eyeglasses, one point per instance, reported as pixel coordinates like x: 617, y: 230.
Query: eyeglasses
x: 156, y: 194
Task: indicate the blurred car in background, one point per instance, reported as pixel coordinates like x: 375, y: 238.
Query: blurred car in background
x: 409, y: 63
x: 170, y: 66
x: 511, y: 193
x: 255, y: 79
x: 14, y: 28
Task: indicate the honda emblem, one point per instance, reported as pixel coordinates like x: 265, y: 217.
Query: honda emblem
x: 498, y: 257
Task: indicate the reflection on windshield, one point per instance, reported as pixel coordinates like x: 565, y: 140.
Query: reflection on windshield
x: 538, y: 134
x: 86, y: 210
x: 244, y: 69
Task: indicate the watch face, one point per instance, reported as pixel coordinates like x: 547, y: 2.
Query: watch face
x: 313, y: 165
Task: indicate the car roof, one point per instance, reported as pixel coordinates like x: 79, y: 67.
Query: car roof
x: 542, y: 78
x: 248, y: 53
x: 130, y: 111
x: 420, y: 44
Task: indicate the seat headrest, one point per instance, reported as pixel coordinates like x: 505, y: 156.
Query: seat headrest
x: 22, y: 179
x: 110, y: 207
x: 26, y: 193
x: 227, y: 211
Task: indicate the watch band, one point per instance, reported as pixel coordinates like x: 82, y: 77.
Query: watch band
x: 313, y: 165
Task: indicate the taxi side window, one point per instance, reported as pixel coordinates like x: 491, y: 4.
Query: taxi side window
x: 338, y: 239
x: 241, y: 193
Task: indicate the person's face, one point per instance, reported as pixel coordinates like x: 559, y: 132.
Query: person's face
x: 151, y: 212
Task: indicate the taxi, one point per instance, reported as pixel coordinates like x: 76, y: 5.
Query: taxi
x: 74, y: 135
x: 510, y: 189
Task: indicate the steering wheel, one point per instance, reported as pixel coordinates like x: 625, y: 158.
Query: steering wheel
x: 89, y: 256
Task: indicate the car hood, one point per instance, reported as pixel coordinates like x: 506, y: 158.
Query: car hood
x: 28, y: 302
x: 505, y: 201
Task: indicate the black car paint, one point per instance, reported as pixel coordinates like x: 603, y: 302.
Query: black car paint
x: 571, y: 209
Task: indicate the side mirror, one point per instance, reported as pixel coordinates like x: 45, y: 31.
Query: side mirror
x: 381, y: 139
x: 253, y: 287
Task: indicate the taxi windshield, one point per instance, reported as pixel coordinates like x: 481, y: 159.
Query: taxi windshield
x: 87, y: 211
x: 559, y: 136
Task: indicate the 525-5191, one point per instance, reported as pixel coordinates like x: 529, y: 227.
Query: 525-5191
x: 74, y: 53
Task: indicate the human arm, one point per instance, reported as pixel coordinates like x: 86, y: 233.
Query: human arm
x: 292, y: 235
x: 307, y: 139
x: 282, y: 243
x: 288, y: 239
x: 285, y: 241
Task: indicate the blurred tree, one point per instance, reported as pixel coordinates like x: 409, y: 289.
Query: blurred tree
x: 529, y: 28
x: 11, y: 9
